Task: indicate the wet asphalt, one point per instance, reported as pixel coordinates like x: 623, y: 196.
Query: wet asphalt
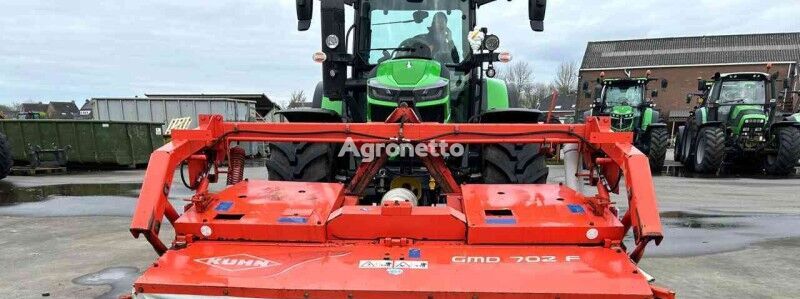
x: 732, y: 236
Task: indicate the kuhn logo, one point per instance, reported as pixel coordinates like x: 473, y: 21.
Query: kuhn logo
x: 237, y: 262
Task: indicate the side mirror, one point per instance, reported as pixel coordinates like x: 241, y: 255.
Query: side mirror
x: 305, y: 10
x: 654, y: 94
x: 786, y: 84
x: 664, y: 83
x: 536, y: 12
x: 701, y: 85
x: 420, y: 16
x: 688, y: 99
x: 585, y: 85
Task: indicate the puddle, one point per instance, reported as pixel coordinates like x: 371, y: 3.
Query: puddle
x: 119, y: 278
x: 680, y: 171
x: 12, y: 195
x: 692, y: 234
x: 76, y: 200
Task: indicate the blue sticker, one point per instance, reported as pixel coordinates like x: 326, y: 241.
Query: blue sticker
x: 414, y: 253
x: 224, y: 206
x: 298, y: 220
x: 576, y: 209
x: 503, y: 220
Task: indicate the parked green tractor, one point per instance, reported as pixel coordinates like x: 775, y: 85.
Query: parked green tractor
x: 737, y: 125
x: 625, y: 101
x: 427, y: 55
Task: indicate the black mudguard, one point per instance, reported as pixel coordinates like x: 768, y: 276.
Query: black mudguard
x: 511, y: 116
x: 314, y: 115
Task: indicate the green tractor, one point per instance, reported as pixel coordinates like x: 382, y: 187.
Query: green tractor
x: 737, y: 125
x: 423, y: 54
x: 625, y: 101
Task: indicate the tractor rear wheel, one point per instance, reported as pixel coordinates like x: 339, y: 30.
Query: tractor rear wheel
x: 677, y: 154
x: 514, y: 164
x: 657, y: 140
x: 302, y: 162
x: 6, y: 161
x: 784, y: 159
x: 709, y: 150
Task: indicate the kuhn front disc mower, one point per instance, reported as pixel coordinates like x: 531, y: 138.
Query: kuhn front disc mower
x: 279, y: 239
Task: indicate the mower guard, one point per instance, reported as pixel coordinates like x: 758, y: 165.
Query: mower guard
x: 360, y: 271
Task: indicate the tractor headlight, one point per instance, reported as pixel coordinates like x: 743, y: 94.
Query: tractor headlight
x: 429, y: 94
x: 383, y: 94
x: 754, y: 121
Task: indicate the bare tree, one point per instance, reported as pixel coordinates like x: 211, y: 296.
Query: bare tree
x: 566, y: 81
x: 540, y: 95
x: 298, y: 99
x: 519, y: 79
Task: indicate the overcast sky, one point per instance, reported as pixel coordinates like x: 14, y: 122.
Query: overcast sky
x: 77, y: 49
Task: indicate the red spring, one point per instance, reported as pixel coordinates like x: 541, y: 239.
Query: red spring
x: 236, y: 165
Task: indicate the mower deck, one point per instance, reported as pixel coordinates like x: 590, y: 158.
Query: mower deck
x: 337, y: 270
x: 507, y: 219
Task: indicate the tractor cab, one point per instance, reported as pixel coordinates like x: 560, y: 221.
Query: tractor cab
x: 427, y: 54
x: 742, y: 102
x: 737, y: 124
x: 626, y: 101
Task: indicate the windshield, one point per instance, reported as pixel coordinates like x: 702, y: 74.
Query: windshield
x: 742, y: 92
x: 630, y: 95
x: 434, y: 29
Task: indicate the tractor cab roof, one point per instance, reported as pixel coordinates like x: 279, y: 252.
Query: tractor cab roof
x: 743, y: 76
x: 626, y: 80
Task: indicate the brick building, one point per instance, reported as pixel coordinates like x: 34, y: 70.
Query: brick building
x: 681, y: 60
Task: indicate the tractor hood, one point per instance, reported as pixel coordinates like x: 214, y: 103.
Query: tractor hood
x: 622, y: 118
x: 741, y: 116
x: 407, y: 73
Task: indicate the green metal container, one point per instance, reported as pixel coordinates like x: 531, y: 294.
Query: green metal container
x: 90, y: 142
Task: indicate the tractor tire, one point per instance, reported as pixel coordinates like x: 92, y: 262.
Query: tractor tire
x: 658, y: 140
x: 301, y: 162
x: 514, y: 164
x: 709, y: 150
x: 6, y: 161
x: 677, y: 154
x: 784, y: 160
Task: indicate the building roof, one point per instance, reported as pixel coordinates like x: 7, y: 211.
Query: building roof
x: 87, y: 105
x: 564, y: 103
x: 263, y: 102
x: 64, y: 107
x: 695, y: 50
x: 33, y: 107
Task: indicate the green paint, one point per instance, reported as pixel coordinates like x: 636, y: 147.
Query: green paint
x: 496, y: 94
x: 622, y: 118
x: 332, y: 105
x: 743, y: 113
x: 703, y: 115
x: 408, y: 75
x: 647, y: 118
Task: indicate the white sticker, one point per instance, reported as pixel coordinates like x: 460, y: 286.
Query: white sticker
x: 375, y: 264
x: 104, y: 125
x: 396, y: 264
x: 410, y: 264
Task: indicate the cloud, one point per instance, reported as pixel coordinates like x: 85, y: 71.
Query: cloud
x: 76, y: 49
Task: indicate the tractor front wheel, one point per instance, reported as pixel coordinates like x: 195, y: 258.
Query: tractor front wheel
x: 709, y: 150
x: 6, y: 161
x: 784, y: 158
x: 677, y: 154
x: 657, y: 140
x: 302, y: 162
x: 514, y: 164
